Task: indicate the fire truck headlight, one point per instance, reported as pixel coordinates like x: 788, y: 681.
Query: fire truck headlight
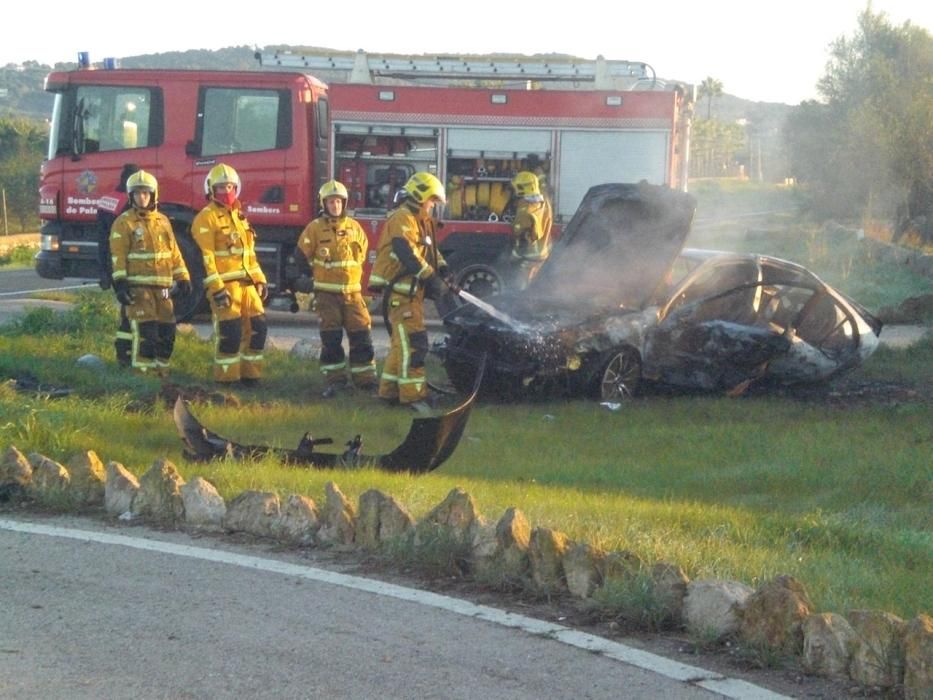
x: 48, y: 242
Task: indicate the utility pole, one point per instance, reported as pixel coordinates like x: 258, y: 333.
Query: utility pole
x: 6, y: 228
x: 760, y: 169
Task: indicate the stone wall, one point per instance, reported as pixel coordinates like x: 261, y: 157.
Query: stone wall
x: 872, y: 648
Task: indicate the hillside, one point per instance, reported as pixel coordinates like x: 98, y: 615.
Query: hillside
x: 25, y: 96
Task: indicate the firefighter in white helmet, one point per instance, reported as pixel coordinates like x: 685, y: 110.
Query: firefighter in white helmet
x: 409, y: 267
x: 330, y: 253
x: 146, y: 264
x: 531, y: 227
x: 234, y: 282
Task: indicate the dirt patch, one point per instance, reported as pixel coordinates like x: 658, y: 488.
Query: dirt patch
x: 853, y: 392
x: 169, y: 392
x: 846, y: 392
x: 918, y: 309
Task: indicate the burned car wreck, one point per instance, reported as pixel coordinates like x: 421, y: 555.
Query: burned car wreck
x: 620, y: 304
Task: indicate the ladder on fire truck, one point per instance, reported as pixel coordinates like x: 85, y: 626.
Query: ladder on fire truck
x: 362, y: 68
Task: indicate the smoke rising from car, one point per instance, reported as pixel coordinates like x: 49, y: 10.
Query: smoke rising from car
x: 616, y: 250
x: 614, y: 253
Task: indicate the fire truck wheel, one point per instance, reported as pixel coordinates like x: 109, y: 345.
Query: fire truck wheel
x: 186, y: 307
x: 480, y: 280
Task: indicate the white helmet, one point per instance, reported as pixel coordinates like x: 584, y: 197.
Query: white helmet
x: 221, y: 174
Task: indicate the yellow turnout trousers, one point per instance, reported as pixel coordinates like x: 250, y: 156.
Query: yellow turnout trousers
x: 403, y: 375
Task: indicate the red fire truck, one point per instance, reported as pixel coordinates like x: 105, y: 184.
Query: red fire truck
x: 287, y: 132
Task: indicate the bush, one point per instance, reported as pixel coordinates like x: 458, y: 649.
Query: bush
x: 91, y: 312
x: 19, y: 256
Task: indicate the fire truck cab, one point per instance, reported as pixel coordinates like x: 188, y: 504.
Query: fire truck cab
x: 287, y: 132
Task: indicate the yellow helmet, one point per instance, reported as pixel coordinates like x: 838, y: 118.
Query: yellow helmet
x: 525, y: 184
x: 221, y: 174
x: 141, y: 180
x: 422, y: 186
x: 332, y: 188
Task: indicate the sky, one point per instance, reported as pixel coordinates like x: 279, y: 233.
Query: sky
x: 774, y: 52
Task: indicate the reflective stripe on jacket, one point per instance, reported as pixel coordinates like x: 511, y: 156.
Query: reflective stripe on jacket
x: 418, y: 231
x: 228, y: 244
x: 531, y: 230
x: 143, y: 250
x: 335, y: 248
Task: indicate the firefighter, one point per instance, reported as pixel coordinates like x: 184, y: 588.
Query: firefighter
x: 409, y: 267
x: 330, y: 252
x: 234, y: 282
x: 146, y: 263
x: 531, y: 228
x: 109, y: 207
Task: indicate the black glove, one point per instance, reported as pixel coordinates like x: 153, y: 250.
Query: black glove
x: 104, y: 280
x: 222, y: 299
x: 122, y: 289
x: 448, y: 277
x: 435, y: 287
x: 263, y: 290
x: 183, y: 287
x: 304, y: 284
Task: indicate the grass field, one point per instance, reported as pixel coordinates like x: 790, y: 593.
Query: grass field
x: 838, y: 495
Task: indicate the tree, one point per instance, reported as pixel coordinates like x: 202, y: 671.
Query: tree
x: 710, y: 88
x: 22, y: 146
x: 868, y: 146
x: 714, y: 145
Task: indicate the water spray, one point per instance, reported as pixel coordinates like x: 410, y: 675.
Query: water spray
x: 490, y: 309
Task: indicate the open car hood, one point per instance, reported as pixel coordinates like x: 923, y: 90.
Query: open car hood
x: 618, y: 246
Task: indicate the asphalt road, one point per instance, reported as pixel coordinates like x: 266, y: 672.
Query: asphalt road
x: 92, y: 610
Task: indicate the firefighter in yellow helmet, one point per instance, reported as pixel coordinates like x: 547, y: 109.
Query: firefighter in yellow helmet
x: 234, y: 282
x: 409, y: 267
x: 147, y: 263
x: 109, y: 207
x: 330, y: 253
x: 531, y: 227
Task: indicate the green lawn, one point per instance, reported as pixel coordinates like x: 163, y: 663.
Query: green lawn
x: 838, y: 496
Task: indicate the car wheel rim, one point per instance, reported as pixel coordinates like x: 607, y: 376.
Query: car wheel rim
x: 620, y: 378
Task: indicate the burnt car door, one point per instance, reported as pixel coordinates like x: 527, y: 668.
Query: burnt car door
x: 740, y: 318
x: 829, y: 333
x: 711, y: 334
